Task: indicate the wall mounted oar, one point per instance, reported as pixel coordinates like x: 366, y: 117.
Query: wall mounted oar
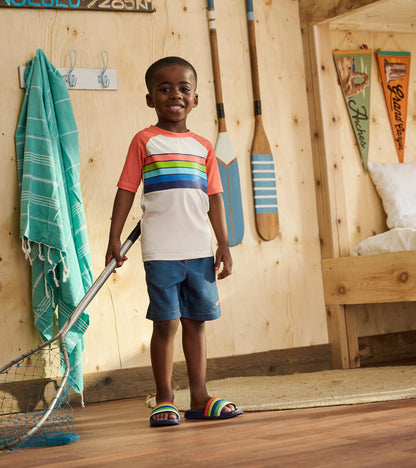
x: 226, y: 156
x: 262, y: 165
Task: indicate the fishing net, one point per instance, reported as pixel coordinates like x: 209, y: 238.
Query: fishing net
x: 35, y: 405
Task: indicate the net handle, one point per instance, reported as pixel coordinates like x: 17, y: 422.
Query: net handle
x: 98, y: 283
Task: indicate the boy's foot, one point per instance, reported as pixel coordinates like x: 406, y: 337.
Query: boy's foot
x: 165, y: 414
x: 215, y: 408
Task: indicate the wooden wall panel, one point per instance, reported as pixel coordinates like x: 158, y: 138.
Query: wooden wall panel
x: 274, y: 299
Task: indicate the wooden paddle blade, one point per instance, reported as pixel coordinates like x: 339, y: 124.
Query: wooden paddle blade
x: 264, y: 185
x: 230, y: 179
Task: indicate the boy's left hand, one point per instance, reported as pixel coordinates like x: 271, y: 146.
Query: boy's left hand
x: 223, y: 256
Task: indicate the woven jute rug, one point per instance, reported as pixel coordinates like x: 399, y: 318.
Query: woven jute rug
x: 325, y: 388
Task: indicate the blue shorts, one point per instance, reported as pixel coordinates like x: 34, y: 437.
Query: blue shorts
x: 182, y: 288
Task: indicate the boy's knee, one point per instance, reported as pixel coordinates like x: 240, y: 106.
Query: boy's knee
x: 190, y: 324
x: 166, y: 328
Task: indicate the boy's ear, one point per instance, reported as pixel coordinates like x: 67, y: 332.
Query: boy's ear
x: 195, y: 100
x: 149, y: 100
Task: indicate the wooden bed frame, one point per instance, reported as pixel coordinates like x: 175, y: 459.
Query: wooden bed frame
x: 375, y: 279
x: 389, y: 277
x: 347, y: 280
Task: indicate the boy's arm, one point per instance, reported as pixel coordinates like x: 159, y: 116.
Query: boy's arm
x: 216, y: 215
x: 121, y: 208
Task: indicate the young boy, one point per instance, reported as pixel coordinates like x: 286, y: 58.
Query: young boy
x: 182, y: 190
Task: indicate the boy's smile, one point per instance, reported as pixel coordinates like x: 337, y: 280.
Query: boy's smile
x: 173, y: 97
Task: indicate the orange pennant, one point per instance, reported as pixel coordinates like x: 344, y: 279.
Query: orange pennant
x: 394, y: 70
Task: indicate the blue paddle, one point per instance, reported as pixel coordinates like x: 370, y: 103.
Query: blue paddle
x: 226, y: 156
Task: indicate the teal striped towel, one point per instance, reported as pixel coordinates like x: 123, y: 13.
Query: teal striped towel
x: 52, y: 221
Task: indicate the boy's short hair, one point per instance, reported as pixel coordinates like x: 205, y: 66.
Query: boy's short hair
x: 166, y: 62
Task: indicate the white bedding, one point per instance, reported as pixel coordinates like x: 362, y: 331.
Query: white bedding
x: 394, y: 240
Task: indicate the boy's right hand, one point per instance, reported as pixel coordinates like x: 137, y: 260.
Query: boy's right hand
x: 113, y: 251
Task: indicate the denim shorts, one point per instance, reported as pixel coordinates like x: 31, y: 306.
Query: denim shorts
x: 182, y: 288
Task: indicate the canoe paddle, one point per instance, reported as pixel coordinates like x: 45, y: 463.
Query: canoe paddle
x: 262, y: 165
x: 226, y: 156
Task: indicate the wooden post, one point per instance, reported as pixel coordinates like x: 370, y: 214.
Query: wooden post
x: 321, y: 83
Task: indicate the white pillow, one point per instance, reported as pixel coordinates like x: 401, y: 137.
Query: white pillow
x: 396, y: 186
x: 394, y: 240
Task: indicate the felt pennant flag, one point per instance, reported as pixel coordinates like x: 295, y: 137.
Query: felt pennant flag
x: 394, y: 71
x: 354, y: 73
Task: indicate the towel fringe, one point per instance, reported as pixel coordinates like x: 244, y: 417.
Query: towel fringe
x: 42, y: 251
x: 41, y: 256
x: 49, y: 257
x: 55, y: 279
x: 65, y: 273
x: 26, y: 249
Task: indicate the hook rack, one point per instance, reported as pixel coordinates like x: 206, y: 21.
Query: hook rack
x: 104, y: 79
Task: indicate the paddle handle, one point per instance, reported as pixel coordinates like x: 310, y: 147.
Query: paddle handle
x: 253, y: 57
x: 216, y: 66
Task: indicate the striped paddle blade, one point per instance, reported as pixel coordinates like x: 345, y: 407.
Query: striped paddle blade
x: 264, y: 185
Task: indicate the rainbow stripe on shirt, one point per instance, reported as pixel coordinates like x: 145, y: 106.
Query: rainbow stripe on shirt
x: 174, y: 170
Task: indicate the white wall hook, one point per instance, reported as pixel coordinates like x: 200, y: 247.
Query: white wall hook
x: 102, y: 77
x: 70, y: 78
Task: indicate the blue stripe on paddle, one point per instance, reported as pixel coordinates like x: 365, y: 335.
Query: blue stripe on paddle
x: 264, y: 183
x: 262, y: 157
x: 266, y: 210
x: 262, y: 167
x: 249, y: 7
x: 263, y: 192
x: 263, y: 175
x: 265, y: 201
x: 231, y: 195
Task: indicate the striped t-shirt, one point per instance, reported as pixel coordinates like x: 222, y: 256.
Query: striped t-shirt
x: 179, y: 171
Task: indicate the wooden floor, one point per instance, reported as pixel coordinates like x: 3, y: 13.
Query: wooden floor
x: 117, y: 434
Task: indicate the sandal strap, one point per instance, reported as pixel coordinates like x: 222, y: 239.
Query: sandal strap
x: 215, y: 405
x: 165, y: 407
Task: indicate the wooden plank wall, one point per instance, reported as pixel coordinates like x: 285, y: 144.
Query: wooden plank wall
x: 274, y: 299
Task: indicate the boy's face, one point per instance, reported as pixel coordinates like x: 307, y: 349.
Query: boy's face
x: 173, y: 96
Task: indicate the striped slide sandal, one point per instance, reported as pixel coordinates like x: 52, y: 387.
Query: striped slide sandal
x: 165, y: 407
x: 214, y: 410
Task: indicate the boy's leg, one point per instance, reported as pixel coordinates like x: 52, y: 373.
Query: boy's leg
x: 161, y: 350
x: 195, y: 350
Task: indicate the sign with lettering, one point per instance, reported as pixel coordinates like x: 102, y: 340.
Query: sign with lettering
x: 354, y: 74
x: 394, y: 71
x: 132, y: 6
